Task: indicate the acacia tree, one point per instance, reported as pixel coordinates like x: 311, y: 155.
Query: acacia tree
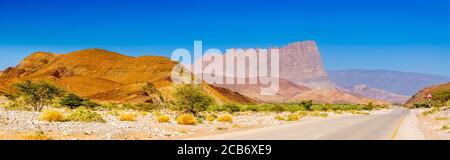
x: 72, y: 100
x: 192, y: 99
x: 38, y: 94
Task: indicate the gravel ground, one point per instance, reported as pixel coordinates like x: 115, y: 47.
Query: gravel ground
x: 17, y: 124
x: 433, y: 125
x: 145, y: 127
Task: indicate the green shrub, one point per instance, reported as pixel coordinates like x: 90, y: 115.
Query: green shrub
x: 82, y: 114
x: 192, y: 99
x: 72, y: 101
x: 142, y: 107
x: 445, y: 127
x: 232, y: 108
x: 38, y: 94
x: 277, y: 108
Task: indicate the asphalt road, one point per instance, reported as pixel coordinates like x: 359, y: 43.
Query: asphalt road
x: 362, y: 127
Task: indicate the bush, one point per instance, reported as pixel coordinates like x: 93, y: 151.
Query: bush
x: 225, y: 118
x: 306, y: 104
x: 293, y: 117
x: 38, y: 94
x: 186, y: 119
x: 302, y: 114
x: 39, y: 135
x: 445, y: 127
x: 232, y: 108
x: 163, y: 119
x: 280, y: 118
x: 142, y: 107
x: 53, y: 115
x: 192, y: 99
x: 18, y: 104
x: 127, y: 117
x: 72, y: 101
x: 277, y: 108
x: 83, y: 114
x: 323, y: 115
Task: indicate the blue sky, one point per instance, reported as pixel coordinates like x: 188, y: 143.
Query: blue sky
x: 371, y: 34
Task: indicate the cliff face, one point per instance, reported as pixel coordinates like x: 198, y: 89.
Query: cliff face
x: 301, y: 63
x: 302, y: 77
x: 104, y: 75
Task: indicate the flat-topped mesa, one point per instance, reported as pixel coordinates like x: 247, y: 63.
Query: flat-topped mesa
x: 301, y: 63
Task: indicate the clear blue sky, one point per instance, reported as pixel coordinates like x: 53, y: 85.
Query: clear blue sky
x: 352, y: 34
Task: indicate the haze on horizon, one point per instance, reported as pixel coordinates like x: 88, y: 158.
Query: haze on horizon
x: 382, y: 34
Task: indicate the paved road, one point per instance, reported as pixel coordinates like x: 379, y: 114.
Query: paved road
x: 364, y: 127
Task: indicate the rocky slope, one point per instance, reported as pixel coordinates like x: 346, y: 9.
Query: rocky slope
x: 104, y: 76
x: 302, y: 77
x: 378, y: 94
x: 440, y: 93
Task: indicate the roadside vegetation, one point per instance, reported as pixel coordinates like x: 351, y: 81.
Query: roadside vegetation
x: 190, y: 105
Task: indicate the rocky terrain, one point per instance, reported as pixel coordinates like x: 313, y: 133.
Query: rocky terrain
x: 302, y: 77
x: 440, y: 93
x: 104, y: 76
x: 363, y: 89
x: 436, y: 125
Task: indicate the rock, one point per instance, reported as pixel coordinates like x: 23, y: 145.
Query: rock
x: 88, y: 132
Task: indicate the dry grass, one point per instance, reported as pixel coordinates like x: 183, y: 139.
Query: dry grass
x: 163, y: 119
x: 39, y: 135
x: 127, y: 117
x: 226, y: 118
x: 280, y: 118
x: 211, y: 117
x: 186, y: 119
x: 441, y: 118
x: 293, y: 117
x: 53, y: 115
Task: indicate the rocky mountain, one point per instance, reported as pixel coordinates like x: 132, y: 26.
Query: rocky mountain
x: 440, y: 95
x: 402, y: 83
x: 302, y: 77
x: 105, y: 76
x: 365, y: 90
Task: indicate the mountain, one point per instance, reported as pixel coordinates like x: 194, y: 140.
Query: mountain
x: 440, y: 95
x: 365, y: 90
x: 302, y: 77
x: 105, y: 76
x: 401, y: 83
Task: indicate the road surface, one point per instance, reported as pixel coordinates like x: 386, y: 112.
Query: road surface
x: 363, y: 127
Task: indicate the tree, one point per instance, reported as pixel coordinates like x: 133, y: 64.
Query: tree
x: 71, y: 100
x: 38, y: 94
x: 192, y: 99
x: 307, y: 104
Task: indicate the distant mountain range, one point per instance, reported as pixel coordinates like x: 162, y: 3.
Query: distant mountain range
x: 302, y: 77
x: 394, y: 86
